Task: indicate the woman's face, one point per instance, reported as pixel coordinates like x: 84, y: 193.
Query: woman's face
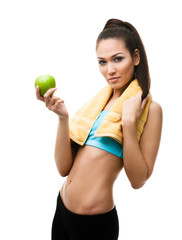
x: 116, y: 63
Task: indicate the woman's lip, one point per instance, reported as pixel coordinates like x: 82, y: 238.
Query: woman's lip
x: 113, y: 79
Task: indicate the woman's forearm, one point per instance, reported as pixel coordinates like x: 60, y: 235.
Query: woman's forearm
x: 63, y: 152
x: 134, y: 163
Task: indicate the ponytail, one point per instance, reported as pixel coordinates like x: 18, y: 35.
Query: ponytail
x: 117, y: 29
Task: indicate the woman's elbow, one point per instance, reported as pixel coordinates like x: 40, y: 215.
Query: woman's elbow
x: 137, y: 185
x: 63, y: 173
x: 63, y: 170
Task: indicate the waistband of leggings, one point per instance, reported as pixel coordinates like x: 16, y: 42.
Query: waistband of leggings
x: 111, y: 213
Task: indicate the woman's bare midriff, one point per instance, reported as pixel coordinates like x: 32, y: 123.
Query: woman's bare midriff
x: 88, y: 188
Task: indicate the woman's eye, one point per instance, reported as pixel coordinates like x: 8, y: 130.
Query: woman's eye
x: 118, y: 59
x: 102, y: 62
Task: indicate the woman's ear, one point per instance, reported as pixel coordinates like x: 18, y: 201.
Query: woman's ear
x: 136, y: 57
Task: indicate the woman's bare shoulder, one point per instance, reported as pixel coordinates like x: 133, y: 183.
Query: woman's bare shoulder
x: 155, y: 117
x: 155, y: 109
x: 154, y: 121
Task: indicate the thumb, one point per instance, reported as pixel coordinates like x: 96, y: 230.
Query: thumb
x: 144, y: 101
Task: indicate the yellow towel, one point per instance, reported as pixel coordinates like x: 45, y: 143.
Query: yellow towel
x: 81, y: 124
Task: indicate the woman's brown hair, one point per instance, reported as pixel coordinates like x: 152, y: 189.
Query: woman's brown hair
x: 117, y: 29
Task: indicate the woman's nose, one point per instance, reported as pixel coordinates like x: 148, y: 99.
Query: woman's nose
x: 111, y: 69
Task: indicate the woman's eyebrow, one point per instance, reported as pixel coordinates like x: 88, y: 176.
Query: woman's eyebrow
x: 111, y: 56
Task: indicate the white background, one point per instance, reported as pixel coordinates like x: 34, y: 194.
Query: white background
x: 58, y: 38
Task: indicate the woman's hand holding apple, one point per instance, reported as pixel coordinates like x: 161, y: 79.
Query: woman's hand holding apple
x: 53, y: 103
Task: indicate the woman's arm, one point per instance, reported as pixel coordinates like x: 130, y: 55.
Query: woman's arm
x: 139, y: 158
x: 63, y: 152
x: 63, y: 149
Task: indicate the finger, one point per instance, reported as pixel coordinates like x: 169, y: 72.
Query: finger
x: 57, y: 106
x: 49, y: 92
x: 60, y: 101
x: 53, y: 100
x: 50, y: 102
x: 145, y: 101
x: 48, y: 95
x: 140, y: 94
x: 56, y: 98
x: 38, y: 96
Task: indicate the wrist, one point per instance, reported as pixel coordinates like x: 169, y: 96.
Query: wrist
x: 129, y: 122
x: 63, y: 119
x: 129, y: 128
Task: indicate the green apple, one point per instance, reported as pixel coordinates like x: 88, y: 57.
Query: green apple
x: 45, y: 82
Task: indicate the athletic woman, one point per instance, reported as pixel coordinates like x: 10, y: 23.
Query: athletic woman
x: 85, y: 206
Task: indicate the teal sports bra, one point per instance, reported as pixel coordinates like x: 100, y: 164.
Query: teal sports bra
x: 105, y: 143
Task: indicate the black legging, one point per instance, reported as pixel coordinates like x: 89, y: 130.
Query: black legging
x: 70, y: 226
